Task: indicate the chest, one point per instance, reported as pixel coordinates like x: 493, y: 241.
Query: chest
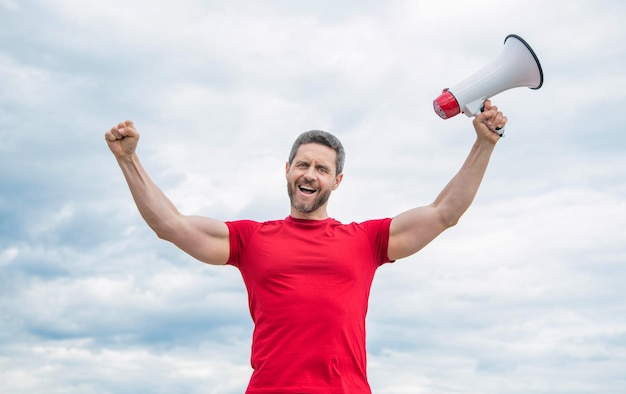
x: 309, y: 258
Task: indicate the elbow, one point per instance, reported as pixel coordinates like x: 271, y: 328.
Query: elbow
x: 449, y: 218
x: 165, y: 227
x: 449, y: 222
x: 161, y: 234
x: 162, y: 231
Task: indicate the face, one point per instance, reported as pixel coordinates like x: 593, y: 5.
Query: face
x: 311, y: 178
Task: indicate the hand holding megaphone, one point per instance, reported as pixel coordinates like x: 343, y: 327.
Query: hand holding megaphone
x: 517, y: 66
x: 490, y: 122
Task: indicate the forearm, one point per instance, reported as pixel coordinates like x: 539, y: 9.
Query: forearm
x: 459, y: 193
x: 412, y: 230
x: 153, y: 205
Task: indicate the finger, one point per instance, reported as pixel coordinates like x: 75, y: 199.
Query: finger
x: 497, y: 123
x: 112, y: 135
x: 493, y: 121
x: 109, y: 136
x: 486, y: 105
x: 502, y: 122
x: 126, y: 128
x: 500, y: 118
x: 115, y: 132
x: 487, y: 115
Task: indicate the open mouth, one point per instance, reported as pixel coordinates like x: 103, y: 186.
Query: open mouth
x: 306, y: 189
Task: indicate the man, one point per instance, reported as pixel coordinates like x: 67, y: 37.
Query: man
x: 308, y: 276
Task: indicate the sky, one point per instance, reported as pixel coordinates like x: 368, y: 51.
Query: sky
x: 525, y: 295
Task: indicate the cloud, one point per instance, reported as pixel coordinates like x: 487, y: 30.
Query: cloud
x: 525, y: 295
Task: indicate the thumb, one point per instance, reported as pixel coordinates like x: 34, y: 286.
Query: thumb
x: 127, y: 129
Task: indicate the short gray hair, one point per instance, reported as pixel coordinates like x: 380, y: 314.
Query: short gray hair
x: 322, y: 138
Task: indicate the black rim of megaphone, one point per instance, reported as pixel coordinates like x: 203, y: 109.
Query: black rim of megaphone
x: 533, y: 53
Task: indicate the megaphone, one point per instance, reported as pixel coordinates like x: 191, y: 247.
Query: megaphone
x: 516, y: 66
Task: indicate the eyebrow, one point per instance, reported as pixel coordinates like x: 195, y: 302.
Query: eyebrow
x: 308, y: 163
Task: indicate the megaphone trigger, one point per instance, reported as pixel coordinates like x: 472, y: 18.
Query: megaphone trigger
x: 475, y: 107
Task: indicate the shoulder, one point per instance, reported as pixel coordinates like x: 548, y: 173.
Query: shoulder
x: 370, y: 228
x: 373, y: 224
x: 250, y: 226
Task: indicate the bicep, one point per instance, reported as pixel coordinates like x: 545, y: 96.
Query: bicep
x: 203, y: 238
x: 412, y: 230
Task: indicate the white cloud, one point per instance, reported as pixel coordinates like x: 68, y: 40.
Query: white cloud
x: 524, y: 295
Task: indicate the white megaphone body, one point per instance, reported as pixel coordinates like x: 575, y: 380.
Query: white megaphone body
x: 517, y: 66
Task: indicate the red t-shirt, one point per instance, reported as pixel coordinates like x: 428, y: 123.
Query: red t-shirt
x: 308, y: 285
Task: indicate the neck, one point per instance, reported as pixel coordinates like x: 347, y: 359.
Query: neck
x: 318, y: 214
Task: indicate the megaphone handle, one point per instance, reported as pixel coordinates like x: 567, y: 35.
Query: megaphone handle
x: 498, y: 130
x: 475, y: 107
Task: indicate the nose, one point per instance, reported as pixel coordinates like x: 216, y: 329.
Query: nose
x: 309, y: 174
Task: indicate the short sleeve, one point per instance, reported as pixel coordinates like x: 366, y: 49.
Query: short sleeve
x: 238, y: 233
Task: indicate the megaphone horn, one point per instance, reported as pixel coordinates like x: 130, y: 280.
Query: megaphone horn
x: 517, y: 66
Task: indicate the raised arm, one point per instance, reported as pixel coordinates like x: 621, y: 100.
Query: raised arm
x: 203, y: 238
x: 412, y: 230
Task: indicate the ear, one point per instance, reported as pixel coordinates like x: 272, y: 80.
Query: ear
x: 338, y: 180
x: 287, y: 169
